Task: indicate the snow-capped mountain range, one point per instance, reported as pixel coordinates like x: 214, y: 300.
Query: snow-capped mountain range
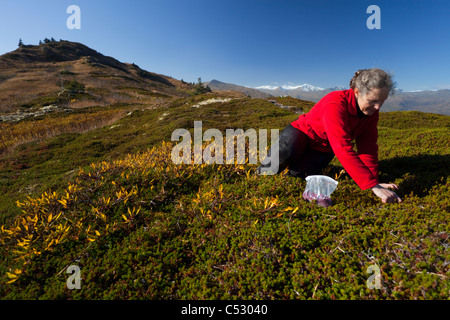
x: 436, y: 101
x: 304, y: 91
x: 303, y: 87
x: 309, y: 88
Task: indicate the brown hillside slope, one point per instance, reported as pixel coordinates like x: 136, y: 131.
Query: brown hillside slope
x: 34, y: 76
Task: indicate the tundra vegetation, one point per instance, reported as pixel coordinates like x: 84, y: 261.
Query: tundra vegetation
x: 110, y: 201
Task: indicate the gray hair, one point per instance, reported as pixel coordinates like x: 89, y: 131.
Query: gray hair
x: 367, y: 79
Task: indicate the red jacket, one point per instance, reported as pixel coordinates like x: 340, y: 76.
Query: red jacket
x: 333, y: 123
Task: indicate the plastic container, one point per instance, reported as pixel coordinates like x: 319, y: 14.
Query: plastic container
x: 320, y: 188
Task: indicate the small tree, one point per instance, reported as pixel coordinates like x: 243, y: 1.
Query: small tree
x: 200, y: 88
x: 20, y: 42
x: 75, y: 87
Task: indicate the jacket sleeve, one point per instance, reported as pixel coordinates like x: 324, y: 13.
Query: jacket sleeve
x: 335, y: 120
x: 366, y: 144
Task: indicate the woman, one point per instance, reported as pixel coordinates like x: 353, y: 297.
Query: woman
x: 308, y: 144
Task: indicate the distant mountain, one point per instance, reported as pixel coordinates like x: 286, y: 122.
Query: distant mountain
x: 304, y: 91
x: 426, y: 101
x: 216, y: 85
x: 437, y: 101
x: 304, y: 87
x: 34, y: 76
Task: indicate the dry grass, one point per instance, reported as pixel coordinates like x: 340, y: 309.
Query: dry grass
x: 12, y: 135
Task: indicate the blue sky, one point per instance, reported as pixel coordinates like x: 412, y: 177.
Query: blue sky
x: 251, y: 42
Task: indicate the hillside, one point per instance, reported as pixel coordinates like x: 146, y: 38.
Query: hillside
x: 34, y: 76
x: 218, y: 86
x: 94, y: 186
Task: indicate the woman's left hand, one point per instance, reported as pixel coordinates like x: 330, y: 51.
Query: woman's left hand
x: 382, y: 191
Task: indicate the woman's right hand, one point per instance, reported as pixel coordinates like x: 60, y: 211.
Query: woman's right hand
x: 387, y: 196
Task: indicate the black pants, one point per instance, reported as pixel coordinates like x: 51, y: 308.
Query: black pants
x: 295, y: 153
